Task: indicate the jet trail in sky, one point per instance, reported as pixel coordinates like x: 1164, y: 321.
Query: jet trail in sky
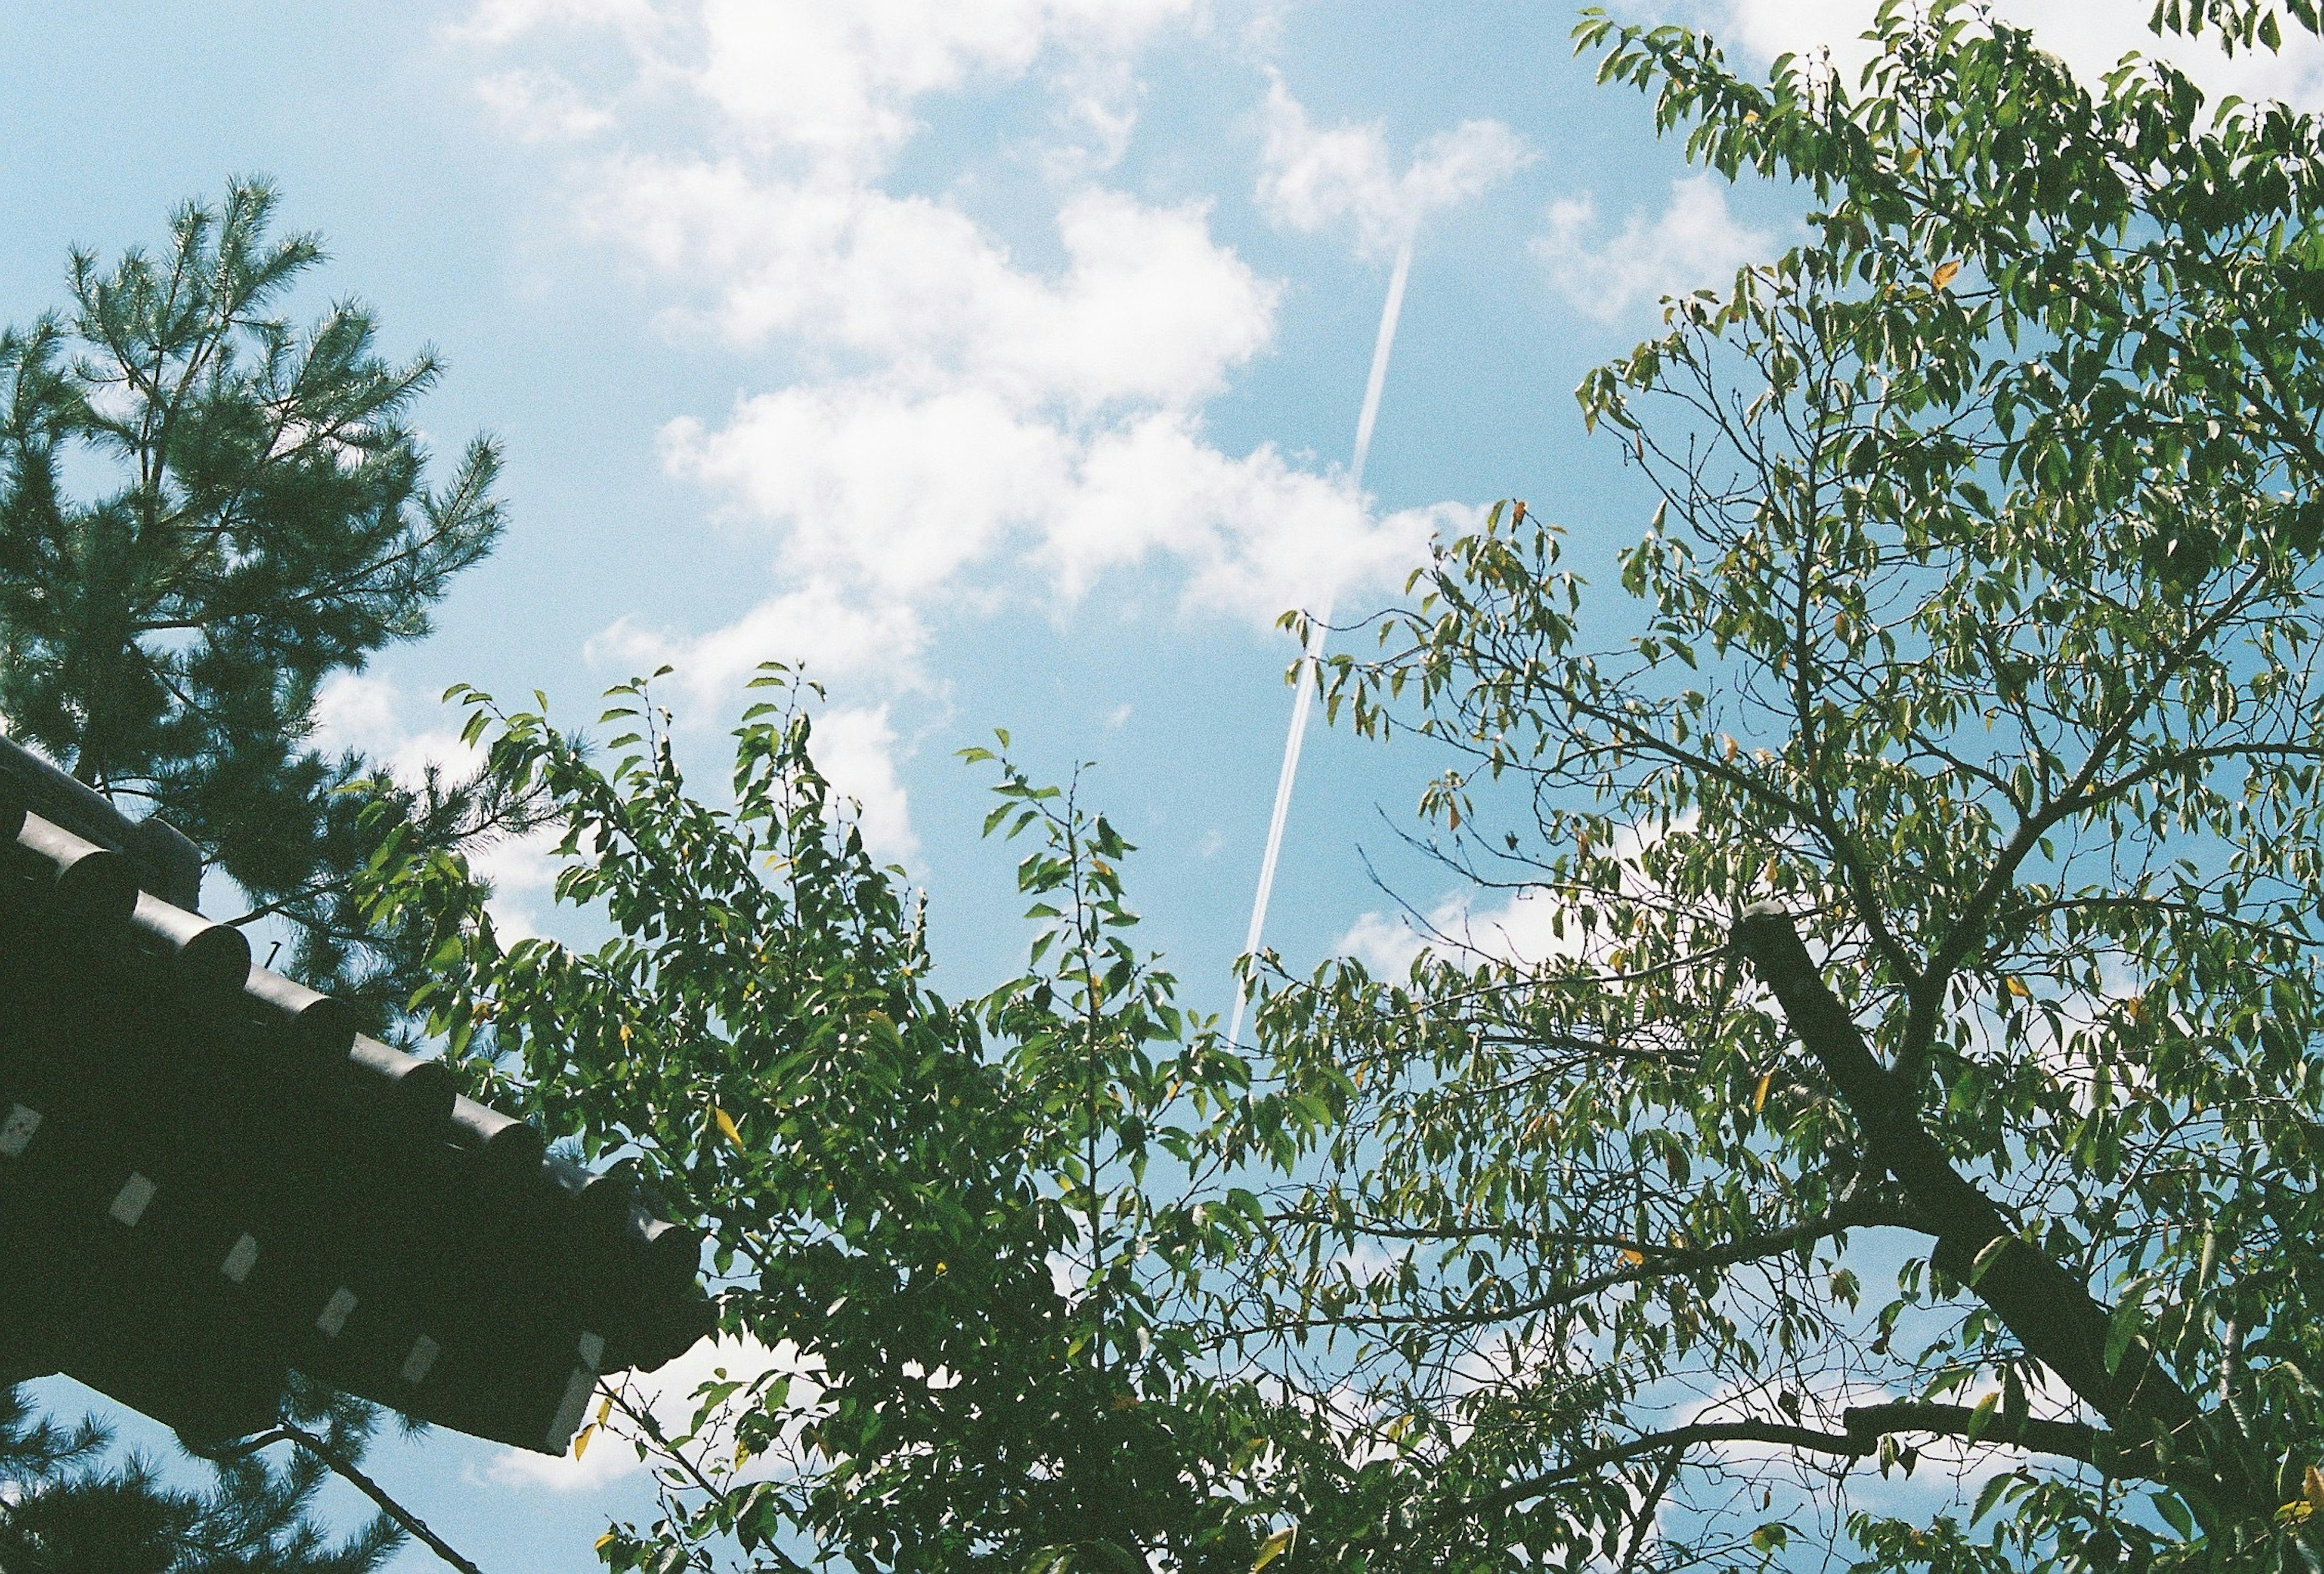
x: 1311, y: 658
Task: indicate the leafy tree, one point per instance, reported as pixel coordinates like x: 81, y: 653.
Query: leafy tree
x: 1923, y: 1070
x: 937, y: 1206
x: 204, y: 513
x: 1977, y: 648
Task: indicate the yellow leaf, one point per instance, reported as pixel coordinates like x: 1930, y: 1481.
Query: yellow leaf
x: 1634, y: 1257
x: 625, y: 1035
x: 1759, y: 1099
x: 726, y: 1126
x: 606, y: 1540
x: 605, y: 1409
x: 1727, y: 747
x: 2016, y: 985
x: 742, y: 1454
x: 581, y: 1443
x: 2311, y: 1487
x: 1945, y: 274
x: 1274, y: 1547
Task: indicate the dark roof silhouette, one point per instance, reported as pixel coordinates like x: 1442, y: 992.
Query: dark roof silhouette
x: 208, y: 1178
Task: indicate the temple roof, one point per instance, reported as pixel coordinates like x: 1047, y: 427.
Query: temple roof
x: 209, y: 1179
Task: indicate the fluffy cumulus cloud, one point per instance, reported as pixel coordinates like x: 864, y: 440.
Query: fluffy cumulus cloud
x: 904, y: 494
x: 1148, y: 307
x: 1313, y: 179
x: 842, y: 79
x: 1695, y: 243
x: 856, y: 748
x: 369, y: 714
x: 972, y: 428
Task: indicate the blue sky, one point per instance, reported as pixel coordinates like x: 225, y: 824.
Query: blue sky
x: 1001, y: 359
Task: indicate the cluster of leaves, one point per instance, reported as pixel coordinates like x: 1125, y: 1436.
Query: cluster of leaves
x: 943, y: 1259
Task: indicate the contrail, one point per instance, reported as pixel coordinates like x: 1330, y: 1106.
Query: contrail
x: 1311, y: 658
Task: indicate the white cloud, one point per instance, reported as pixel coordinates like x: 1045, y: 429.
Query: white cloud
x: 1695, y: 242
x: 1147, y: 309
x: 541, y: 106
x: 667, y: 1395
x: 361, y: 711
x: 855, y: 749
x: 1522, y: 927
x: 1312, y: 179
x: 1098, y: 102
x: 969, y: 429
x: 1521, y: 930
x: 840, y: 80
x: 1253, y: 535
x: 501, y: 21
x: 818, y: 627
x: 1386, y: 945
x: 2091, y: 38
x: 889, y: 489
x: 355, y: 710
x: 906, y: 495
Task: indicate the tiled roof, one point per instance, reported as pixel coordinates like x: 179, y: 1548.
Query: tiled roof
x: 208, y: 1178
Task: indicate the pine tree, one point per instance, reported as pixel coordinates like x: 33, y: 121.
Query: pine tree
x: 262, y: 521
x: 204, y: 513
x: 73, y: 1507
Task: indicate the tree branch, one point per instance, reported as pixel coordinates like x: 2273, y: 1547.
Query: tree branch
x: 1862, y: 1428
x: 348, y: 1471
x: 2051, y: 1313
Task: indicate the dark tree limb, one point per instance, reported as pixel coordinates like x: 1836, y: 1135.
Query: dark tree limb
x: 2051, y: 1313
x: 1862, y: 1428
x: 1642, y: 1519
x: 348, y: 1471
